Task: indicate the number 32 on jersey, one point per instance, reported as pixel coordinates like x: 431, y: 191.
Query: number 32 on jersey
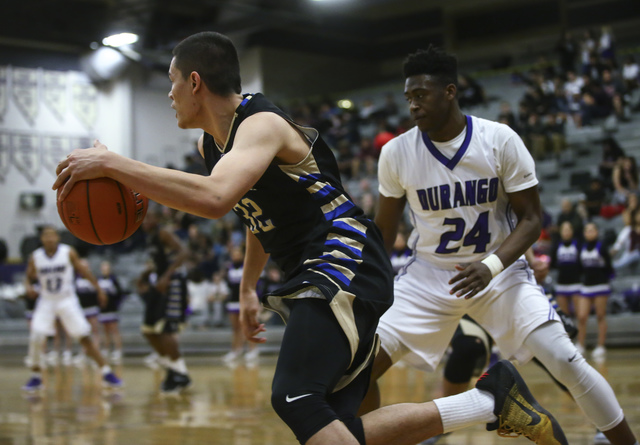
x: 252, y: 213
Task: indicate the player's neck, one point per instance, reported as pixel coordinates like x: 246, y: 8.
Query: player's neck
x: 453, y: 127
x: 220, y: 114
x: 51, y: 251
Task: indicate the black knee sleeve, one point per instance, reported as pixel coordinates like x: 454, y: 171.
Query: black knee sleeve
x: 466, y: 352
x: 306, y: 413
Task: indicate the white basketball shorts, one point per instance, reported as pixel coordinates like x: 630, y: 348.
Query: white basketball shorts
x: 419, y: 325
x: 69, y: 311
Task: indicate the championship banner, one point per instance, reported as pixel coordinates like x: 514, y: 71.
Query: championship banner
x: 25, y: 153
x: 25, y: 92
x: 54, y: 150
x: 79, y: 142
x: 3, y: 92
x: 5, y: 155
x: 85, y: 103
x: 55, y: 92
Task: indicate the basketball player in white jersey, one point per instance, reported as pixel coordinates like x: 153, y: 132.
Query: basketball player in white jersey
x: 472, y: 191
x: 53, y: 265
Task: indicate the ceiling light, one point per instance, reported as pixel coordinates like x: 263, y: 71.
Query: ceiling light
x: 124, y: 38
x: 345, y: 104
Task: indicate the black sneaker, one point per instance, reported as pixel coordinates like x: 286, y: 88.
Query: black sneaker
x: 175, y: 382
x: 517, y: 411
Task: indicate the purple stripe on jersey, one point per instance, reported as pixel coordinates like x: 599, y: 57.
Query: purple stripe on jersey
x: 328, y: 268
x: 337, y: 243
x: 345, y: 226
x: 350, y: 264
x: 450, y: 163
x: 342, y: 208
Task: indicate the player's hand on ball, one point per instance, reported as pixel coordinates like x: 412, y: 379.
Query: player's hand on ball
x: 472, y: 279
x: 249, y: 311
x: 81, y: 164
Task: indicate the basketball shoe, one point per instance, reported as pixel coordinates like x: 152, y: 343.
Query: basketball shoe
x: 34, y: 384
x: 111, y: 380
x: 517, y: 411
x: 175, y: 382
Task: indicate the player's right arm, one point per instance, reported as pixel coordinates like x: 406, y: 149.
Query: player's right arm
x: 392, y: 198
x: 30, y: 276
x: 388, y: 217
x: 254, y: 261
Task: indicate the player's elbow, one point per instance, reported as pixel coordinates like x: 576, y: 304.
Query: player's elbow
x: 215, y: 208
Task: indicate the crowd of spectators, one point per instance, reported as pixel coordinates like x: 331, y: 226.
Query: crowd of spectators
x: 586, y: 84
x: 589, y: 84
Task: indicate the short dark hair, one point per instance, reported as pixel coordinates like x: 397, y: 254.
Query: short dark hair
x: 213, y: 56
x: 433, y: 62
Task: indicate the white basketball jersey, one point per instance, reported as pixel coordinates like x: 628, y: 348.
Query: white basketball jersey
x: 458, y: 201
x: 55, y: 274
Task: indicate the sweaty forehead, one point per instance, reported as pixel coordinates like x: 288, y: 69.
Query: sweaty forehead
x: 419, y: 81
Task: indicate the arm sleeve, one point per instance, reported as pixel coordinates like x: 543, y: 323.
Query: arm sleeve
x: 516, y: 164
x: 388, y: 179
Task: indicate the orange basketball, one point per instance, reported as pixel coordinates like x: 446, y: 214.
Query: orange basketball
x: 102, y: 211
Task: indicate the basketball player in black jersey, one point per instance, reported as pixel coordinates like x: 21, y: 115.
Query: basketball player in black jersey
x: 283, y: 182
x: 164, y: 293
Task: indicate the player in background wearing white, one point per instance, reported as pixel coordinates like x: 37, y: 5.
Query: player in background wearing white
x: 53, y: 266
x: 472, y: 191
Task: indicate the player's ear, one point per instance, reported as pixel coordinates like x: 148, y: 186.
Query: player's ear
x: 451, y: 91
x: 196, y: 81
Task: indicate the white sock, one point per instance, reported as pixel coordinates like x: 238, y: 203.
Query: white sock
x: 466, y: 409
x: 106, y: 369
x: 164, y: 361
x: 178, y: 366
x: 37, y: 375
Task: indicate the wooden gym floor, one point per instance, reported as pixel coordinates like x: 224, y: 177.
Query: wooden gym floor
x: 231, y: 406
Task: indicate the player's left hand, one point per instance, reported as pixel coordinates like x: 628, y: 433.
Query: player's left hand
x: 81, y: 164
x: 472, y: 279
x: 249, y: 311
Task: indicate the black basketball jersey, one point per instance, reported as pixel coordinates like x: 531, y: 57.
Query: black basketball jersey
x: 157, y: 253
x: 306, y: 221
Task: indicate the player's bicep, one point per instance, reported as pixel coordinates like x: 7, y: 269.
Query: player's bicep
x: 526, y: 204
x: 257, y: 142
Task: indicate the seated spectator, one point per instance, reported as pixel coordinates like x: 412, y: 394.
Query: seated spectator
x: 390, y: 107
x: 593, y: 69
x: 506, y: 115
x: 554, y: 124
x: 594, y: 198
x: 384, y: 135
x: 567, y: 48
x: 627, y: 245
x: 611, y: 153
x: 595, y: 102
x: 345, y: 159
x: 607, y: 47
x: 535, y: 134
x: 614, y: 88
x: 470, y: 92
x: 625, y: 179
x: 573, y: 91
x: 569, y: 213
x: 630, y: 73
x: 368, y: 156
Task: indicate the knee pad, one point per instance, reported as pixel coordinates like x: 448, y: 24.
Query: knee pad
x: 466, y: 352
